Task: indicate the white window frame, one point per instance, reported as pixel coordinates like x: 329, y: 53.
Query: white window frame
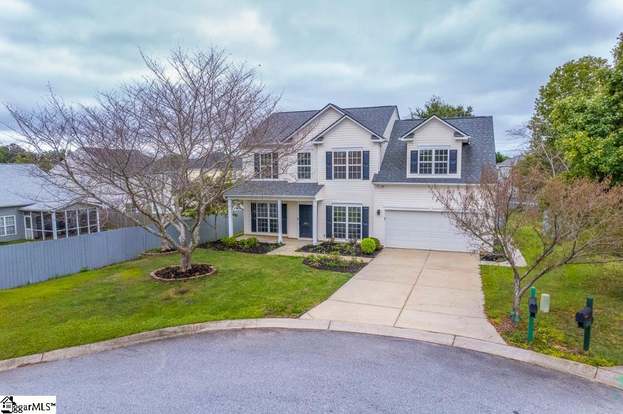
x: 304, y: 167
x: 3, y: 226
x: 268, y: 217
x: 433, y: 162
x: 264, y: 168
x: 347, y: 221
x: 348, y: 163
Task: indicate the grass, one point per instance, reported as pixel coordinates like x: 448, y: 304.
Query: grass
x: 122, y: 299
x: 557, y: 332
x: 5, y: 243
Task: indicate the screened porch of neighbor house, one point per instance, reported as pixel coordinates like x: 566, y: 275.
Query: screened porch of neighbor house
x: 45, y: 224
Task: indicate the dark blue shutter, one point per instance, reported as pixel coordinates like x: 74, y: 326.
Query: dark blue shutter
x: 366, y: 165
x: 253, y: 217
x: 275, y: 165
x: 284, y: 218
x: 365, y: 219
x: 329, y: 221
x: 452, y: 165
x: 256, y: 165
x: 329, y: 165
x: 413, y: 162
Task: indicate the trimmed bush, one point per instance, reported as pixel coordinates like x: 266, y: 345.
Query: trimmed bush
x: 249, y: 243
x: 368, y: 245
x: 230, y: 242
x: 377, y: 242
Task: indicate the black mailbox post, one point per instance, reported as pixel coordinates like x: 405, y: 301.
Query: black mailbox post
x: 584, y: 318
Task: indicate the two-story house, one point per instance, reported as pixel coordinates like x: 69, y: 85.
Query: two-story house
x: 365, y: 172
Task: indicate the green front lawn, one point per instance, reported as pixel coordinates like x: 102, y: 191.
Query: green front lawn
x: 6, y: 243
x: 557, y: 333
x: 122, y: 299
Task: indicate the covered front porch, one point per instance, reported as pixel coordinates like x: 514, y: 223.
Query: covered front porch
x: 276, y: 208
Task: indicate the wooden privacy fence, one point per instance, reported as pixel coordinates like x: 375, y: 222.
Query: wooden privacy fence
x: 32, y: 262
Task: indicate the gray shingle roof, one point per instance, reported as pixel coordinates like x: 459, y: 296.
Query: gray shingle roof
x: 480, y: 151
x: 24, y: 185
x: 375, y: 118
x: 274, y: 189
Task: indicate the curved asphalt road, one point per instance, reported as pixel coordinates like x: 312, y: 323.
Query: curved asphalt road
x: 304, y: 371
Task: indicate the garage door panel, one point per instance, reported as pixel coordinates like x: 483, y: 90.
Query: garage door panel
x: 423, y: 230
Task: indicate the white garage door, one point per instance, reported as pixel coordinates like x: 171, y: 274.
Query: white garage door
x: 423, y: 230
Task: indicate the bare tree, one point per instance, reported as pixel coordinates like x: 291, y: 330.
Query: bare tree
x: 576, y: 221
x: 163, y: 146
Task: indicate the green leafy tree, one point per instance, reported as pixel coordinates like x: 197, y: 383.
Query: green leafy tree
x: 589, y: 127
x: 437, y: 106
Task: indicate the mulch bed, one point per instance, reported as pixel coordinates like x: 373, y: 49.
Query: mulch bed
x: 260, y: 248
x: 173, y: 273
x: 349, y: 268
x: 492, y: 257
x: 343, y: 249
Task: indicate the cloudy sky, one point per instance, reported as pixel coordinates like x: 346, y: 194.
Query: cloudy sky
x: 490, y: 54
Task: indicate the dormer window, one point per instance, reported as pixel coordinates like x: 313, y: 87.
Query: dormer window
x: 433, y: 161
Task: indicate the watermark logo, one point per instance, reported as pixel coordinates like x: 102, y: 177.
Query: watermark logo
x: 27, y: 404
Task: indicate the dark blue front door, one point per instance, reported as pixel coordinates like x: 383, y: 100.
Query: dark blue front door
x: 305, y: 220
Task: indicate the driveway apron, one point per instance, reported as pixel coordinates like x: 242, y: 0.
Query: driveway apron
x: 429, y: 290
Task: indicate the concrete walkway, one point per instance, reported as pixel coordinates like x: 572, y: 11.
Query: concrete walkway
x: 427, y: 290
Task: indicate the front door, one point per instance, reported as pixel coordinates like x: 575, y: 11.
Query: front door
x: 305, y: 220
x: 28, y: 227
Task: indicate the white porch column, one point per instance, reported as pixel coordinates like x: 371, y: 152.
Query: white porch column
x: 54, y: 235
x: 97, y: 215
x: 230, y: 218
x: 314, y: 222
x: 279, y: 235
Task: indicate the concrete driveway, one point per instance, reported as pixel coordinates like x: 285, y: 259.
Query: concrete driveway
x: 430, y: 290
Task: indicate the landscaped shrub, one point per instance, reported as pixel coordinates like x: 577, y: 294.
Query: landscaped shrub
x: 377, y: 243
x: 230, y: 242
x: 249, y: 243
x: 368, y: 245
x: 333, y: 262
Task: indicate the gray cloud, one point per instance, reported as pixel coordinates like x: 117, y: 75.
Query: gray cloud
x: 489, y: 54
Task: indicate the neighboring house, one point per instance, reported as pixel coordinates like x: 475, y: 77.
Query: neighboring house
x: 365, y: 172
x: 504, y: 168
x: 32, y: 208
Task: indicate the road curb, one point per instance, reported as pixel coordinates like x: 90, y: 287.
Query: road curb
x: 597, y: 374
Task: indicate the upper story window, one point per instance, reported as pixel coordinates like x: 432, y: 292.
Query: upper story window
x: 347, y: 164
x: 266, y: 165
x: 304, y: 165
x: 433, y: 161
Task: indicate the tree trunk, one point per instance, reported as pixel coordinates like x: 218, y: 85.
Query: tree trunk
x: 186, y: 260
x: 165, y: 245
x: 516, y: 300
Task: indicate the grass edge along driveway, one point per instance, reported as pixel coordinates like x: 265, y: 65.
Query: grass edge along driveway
x: 556, y: 332
x: 122, y: 299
